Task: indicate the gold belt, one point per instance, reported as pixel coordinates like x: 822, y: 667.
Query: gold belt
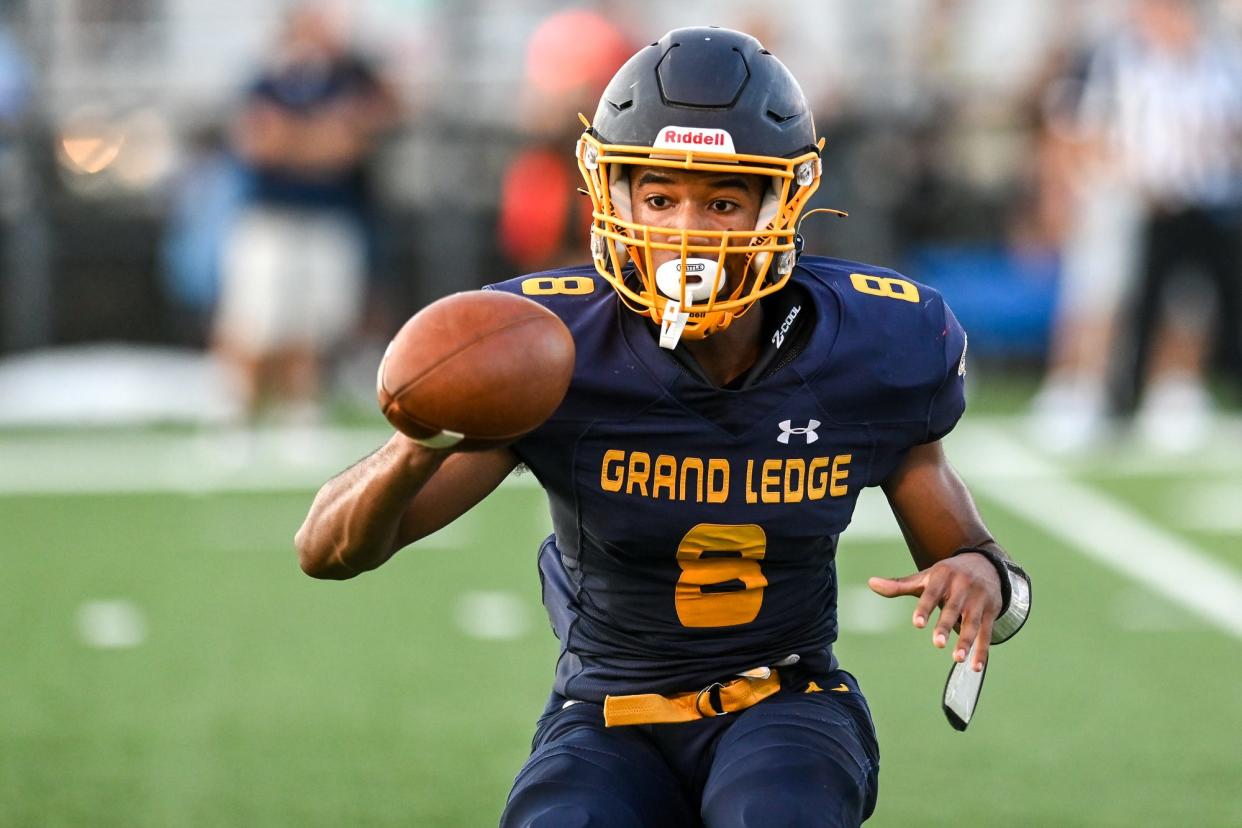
x: 714, y: 700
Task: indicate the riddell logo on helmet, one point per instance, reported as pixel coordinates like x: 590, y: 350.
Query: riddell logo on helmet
x: 672, y: 136
x: 711, y: 140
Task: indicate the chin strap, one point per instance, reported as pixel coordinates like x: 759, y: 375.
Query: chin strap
x: 799, y: 240
x: 672, y: 324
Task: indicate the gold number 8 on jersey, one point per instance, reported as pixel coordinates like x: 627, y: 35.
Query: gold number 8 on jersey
x: 558, y: 286
x: 721, y: 583
x: 887, y: 286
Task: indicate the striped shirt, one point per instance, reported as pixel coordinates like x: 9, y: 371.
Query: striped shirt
x: 1174, y: 121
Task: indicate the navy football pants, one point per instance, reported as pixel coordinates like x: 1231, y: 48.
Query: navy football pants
x: 794, y: 759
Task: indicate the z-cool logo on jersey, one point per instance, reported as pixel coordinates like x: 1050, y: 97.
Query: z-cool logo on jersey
x: 808, y: 431
x: 778, y: 338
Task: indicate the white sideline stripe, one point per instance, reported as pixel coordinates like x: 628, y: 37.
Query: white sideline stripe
x: 111, y: 625
x: 862, y: 612
x: 198, y: 463
x: 1124, y: 455
x: 873, y: 520
x: 1208, y: 507
x: 493, y: 615
x: 1100, y: 527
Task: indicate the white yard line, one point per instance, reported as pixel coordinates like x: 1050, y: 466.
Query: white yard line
x: 194, y: 463
x: 223, y: 460
x: 1208, y: 507
x: 1124, y: 457
x: 1099, y: 526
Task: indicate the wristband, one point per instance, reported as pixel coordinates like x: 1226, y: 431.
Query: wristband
x: 1015, y: 594
x: 441, y: 440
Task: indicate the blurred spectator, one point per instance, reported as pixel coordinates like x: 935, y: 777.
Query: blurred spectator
x: 206, y: 196
x: 295, y: 264
x: 570, y: 58
x: 1101, y: 212
x: 23, y: 286
x: 1162, y: 112
x: 14, y: 81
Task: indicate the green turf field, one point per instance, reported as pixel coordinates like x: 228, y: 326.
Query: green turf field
x: 236, y: 691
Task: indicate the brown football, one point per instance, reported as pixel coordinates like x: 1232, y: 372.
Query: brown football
x: 484, y: 364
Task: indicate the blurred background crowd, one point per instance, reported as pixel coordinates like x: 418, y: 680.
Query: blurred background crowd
x: 223, y: 210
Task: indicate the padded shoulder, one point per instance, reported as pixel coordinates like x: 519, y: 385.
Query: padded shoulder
x: 879, y: 295
x: 568, y: 292
x: 897, y: 341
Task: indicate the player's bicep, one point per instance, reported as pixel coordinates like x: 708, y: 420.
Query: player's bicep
x: 932, y: 505
x: 457, y: 486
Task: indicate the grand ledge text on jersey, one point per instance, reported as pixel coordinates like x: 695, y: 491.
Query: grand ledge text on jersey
x: 712, y: 479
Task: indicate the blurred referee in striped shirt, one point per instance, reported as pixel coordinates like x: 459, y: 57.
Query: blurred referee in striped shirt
x: 1164, y: 99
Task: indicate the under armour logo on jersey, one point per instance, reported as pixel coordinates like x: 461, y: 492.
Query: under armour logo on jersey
x: 788, y: 429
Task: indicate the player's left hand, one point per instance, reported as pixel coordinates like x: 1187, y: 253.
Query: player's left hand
x: 968, y: 592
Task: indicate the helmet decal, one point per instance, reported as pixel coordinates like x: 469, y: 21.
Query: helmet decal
x: 693, y: 138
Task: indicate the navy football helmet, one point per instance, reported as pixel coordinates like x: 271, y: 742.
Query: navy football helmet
x: 711, y: 100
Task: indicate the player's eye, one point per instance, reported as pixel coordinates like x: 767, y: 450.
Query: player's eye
x: 723, y: 205
x: 657, y: 202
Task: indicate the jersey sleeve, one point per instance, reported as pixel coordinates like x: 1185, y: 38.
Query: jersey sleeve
x: 949, y: 401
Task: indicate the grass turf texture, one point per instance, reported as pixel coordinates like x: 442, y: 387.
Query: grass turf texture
x: 262, y: 697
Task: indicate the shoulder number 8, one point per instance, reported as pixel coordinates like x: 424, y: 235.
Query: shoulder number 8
x: 888, y: 286
x: 558, y: 286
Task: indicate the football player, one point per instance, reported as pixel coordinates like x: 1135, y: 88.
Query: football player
x: 730, y: 400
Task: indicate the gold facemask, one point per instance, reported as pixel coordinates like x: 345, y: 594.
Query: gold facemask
x: 768, y: 251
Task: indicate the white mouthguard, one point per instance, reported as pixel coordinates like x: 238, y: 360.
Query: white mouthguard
x: 699, y: 275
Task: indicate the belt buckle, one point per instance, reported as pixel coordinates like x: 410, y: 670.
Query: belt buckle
x: 715, y: 706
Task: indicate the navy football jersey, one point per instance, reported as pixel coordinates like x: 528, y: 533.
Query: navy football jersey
x: 695, y: 527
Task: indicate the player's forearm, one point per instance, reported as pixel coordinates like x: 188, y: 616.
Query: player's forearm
x: 355, y: 519
x: 933, y: 540
x: 934, y: 508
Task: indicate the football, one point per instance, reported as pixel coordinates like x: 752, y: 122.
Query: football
x: 483, y: 367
